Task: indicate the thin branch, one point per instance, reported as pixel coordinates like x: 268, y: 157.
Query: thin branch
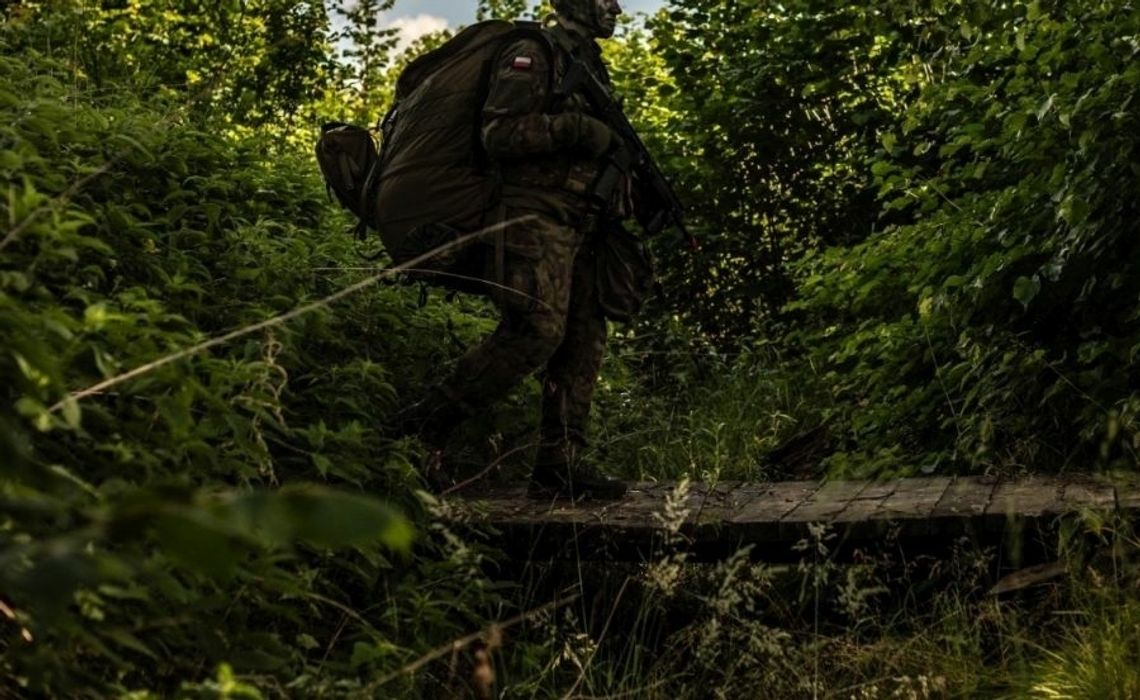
x: 438, y: 273
x: 491, y: 467
x: 279, y: 319
x: 598, y: 645
x: 344, y: 609
x: 464, y: 642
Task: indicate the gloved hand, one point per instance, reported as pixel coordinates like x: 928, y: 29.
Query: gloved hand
x: 576, y: 130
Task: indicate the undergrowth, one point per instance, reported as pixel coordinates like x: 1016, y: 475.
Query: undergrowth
x: 182, y: 516
x: 883, y: 626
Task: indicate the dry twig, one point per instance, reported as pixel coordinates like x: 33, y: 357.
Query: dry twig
x: 279, y: 319
x: 463, y: 642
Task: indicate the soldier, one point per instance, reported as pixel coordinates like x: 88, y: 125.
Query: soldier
x: 549, y: 149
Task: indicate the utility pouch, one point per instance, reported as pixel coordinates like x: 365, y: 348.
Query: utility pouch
x: 623, y: 273
x: 615, y: 169
x: 348, y: 159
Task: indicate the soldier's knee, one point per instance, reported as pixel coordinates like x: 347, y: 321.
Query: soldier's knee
x: 543, y: 335
x: 548, y: 337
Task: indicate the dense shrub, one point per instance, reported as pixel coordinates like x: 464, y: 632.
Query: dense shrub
x: 140, y: 525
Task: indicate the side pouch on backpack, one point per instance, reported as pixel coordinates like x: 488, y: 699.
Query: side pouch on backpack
x: 346, y: 155
x: 623, y: 273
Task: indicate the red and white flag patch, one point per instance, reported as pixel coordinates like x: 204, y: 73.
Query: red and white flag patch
x: 522, y: 63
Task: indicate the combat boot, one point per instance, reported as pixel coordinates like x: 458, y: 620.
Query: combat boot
x: 432, y: 419
x: 560, y: 472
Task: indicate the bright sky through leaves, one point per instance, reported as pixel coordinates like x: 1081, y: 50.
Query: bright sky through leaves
x: 418, y: 17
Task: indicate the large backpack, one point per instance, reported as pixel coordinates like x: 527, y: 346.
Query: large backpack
x: 435, y: 181
x: 432, y: 182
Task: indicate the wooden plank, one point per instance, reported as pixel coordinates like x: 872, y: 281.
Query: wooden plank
x: 1084, y: 493
x: 641, y: 503
x: 647, y: 503
x: 831, y: 499
x: 718, y: 518
x: 869, y: 500
x: 828, y: 501
x: 759, y: 519
x: 1031, y: 496
x: 962, y: 508
x: 908, y: 507
x: 967, y: 496
x: 717, y: 506
x: 913, y: 498
x: 855, y: 523
x: 775, y: 501
x: 1127, y: 494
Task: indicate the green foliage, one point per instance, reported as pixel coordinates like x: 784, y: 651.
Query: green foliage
x: 918, y: 255
x: 1098, y: 660
x: 225, y: 57
x: 775, y: 108
x: 927, y: 212
x: 171, y: 520
x: 999, y: 328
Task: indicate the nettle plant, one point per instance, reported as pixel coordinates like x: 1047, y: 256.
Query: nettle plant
x: 999, y: 328
x: 199, y: 504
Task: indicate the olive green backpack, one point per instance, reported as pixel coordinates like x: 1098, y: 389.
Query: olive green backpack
x: 431, y: 182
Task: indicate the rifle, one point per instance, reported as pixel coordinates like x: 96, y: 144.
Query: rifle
x: 658, y: 205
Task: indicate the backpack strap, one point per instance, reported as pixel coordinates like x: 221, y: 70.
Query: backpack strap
x: 535, y: 31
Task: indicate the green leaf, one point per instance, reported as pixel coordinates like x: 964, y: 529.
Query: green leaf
x: 198, y: 542
x: 71, y: 412
x: 334, y: 518
x: 128, y: 640
x: 1025, y: 289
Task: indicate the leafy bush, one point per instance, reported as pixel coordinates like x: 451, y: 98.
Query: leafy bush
x: 917, y: 257
x: 998, y: 330
x: 144, y: 537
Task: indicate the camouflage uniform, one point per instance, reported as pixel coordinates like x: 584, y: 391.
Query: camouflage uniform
x: 549, y: 150
x: 550, y: 317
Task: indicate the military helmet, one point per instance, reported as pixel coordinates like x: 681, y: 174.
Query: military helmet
x: 577, y: 10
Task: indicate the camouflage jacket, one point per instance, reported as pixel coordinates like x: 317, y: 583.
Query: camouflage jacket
x: 531, y: 131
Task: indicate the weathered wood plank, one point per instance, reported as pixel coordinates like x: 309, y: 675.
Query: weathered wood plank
x: 868, y: 501
x: 1127, y: 493
x: 828, y: 501
x: 831, y: 499
x: 962, y: 508
x: 759, y: 519
x: 1087, y: 493
x: 775, y: 501
x: 720, y: 517
x: 855, y: 522
x: 1027, y: 497
x: 967, y: 496
x: 909, y: 507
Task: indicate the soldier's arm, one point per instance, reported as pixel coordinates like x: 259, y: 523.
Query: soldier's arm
x: 514, y: 122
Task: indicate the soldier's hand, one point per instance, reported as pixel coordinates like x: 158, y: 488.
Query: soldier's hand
x: 595, y: 136
x: 592, y: 136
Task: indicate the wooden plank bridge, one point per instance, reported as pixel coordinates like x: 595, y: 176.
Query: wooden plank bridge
x: 916, y: 515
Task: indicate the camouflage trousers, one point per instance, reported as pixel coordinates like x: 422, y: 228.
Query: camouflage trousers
x: 550, y: 319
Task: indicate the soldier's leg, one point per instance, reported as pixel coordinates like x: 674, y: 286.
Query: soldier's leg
x: 538, y: 264
x: 572, y: 372
x: 568, y: 390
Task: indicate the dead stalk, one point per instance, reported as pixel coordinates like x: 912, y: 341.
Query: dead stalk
x: 282, y: 318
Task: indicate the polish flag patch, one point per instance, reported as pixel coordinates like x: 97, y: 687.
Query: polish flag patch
x: 522, y: 63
